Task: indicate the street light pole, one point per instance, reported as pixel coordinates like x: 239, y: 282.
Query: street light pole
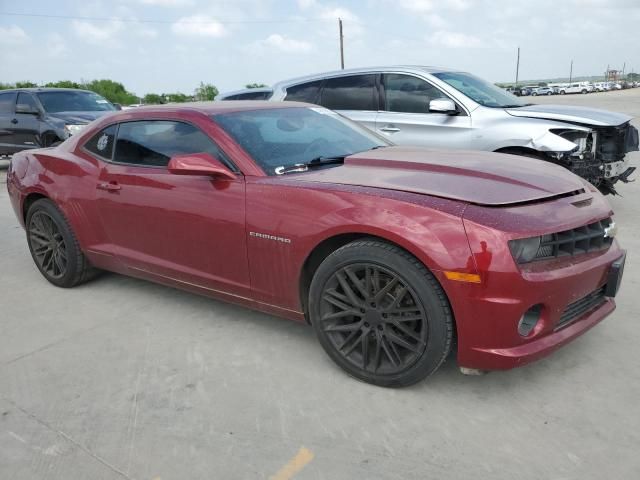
x: 341, y: 44
x: 571, y: 72
x: 517, y: 67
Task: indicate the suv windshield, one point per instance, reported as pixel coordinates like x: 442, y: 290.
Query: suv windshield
x: 282, y: 137
x: 54, y: 102
x: 479, y: 90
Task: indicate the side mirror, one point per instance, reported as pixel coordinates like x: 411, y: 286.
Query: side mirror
x: 199, y: 164
x: 443, y: 105
x: 118, y: 106
x: 26, y: 109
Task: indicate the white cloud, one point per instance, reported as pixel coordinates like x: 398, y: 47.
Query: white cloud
x: 166, y: 3
x: 13, y: 35
x: 425, y: 6
x: 286, y: 44
x: 97, y: 33
x: 436, y: 21
x: 199, y: 26
x: 56, y: 46
x: 455, y: 40
x: 304, y: 4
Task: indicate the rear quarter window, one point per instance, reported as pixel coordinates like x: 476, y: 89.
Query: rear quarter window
x: 304, y: 92
x: 355, y: 92
x: 101, y: 144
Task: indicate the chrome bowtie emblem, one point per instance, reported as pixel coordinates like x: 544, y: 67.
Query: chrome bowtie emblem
x: 611, y: 231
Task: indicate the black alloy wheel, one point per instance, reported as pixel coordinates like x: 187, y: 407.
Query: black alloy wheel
x: 54, y: 247
x: 48, y: 245
x: 372, y: 317
x: 381, y: 326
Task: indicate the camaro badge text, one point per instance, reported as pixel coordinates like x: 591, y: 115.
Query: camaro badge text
x: 266, y: 236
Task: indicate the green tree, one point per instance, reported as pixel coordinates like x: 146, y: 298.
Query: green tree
x: 64, y: 84
x: 153, y: 99
x: 5, y: 86
x: 176, y: 97
x: 634, y: 77
x: 255, y: 85
x: 25, y: 84
x: 112, y: 91
x: 205, y: 92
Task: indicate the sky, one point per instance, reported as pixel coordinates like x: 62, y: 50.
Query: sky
x: 173, y: 45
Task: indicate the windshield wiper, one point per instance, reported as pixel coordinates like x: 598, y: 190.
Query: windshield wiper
x: 303, y: 167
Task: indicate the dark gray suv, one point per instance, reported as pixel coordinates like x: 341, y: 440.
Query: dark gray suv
x: 41, y: 117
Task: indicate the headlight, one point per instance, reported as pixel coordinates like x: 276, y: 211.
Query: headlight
x: 524, y: 249
x: 73, y: 129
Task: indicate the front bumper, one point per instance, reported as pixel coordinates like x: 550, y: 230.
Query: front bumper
x: 561, y: 289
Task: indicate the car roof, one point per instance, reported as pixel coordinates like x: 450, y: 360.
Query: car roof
x: 245, y: 90
x: 354, y: 71
x: 213, y: 108
x: 45, y: 89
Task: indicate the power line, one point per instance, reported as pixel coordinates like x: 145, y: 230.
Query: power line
x: 187, y: 22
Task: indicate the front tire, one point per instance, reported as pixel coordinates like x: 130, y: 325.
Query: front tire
x: 54, y: 247
x: 380, y: 314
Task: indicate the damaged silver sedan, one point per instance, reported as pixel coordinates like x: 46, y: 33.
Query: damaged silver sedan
x: 441, y: 108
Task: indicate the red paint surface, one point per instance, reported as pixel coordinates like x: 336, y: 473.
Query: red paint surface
x: 193, y: 232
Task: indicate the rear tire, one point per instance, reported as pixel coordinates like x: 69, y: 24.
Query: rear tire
x: 380, y: 314
x: 54, y: 247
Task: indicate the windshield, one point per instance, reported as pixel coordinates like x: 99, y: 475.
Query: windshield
x: 479, y: 90
x: 282, y: 137
x: 54, y: 102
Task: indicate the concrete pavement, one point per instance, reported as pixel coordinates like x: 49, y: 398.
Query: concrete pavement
x: 120, y: 378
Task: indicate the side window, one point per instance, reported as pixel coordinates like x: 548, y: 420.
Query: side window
x: 405, y: 93
x: 101, y: 143
x: 153, y: 143
x: 355, y: 92
x: 305, y: 92
x: 27, y: 99
x: 7, y: 101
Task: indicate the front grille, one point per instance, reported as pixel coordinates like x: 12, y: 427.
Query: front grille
x: 577, y: 309
x: 585, y: 239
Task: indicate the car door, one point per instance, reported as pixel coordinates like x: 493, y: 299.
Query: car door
x: 185, y: 228
x: 26, y: 129
x: 354, y: 96
x: 7, y: 108
x: 405, y: 118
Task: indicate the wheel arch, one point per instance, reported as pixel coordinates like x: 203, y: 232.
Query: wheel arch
x: 333, y: 243
x: 29, y: 200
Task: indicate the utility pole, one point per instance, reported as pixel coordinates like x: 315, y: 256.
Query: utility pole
x: 571, y: 72
x: 517, y: 67
x: 624, y: 66
x: 341, y: 44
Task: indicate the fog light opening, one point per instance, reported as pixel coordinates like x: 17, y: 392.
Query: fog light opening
x: 529, y: 320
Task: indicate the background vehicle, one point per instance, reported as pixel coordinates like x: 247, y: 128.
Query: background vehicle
x: 262, y: 93
x: 543, y: 91
x: 297, y: 211
x: 40, y: 117
x: 575, y: 88
x: 441, y: 108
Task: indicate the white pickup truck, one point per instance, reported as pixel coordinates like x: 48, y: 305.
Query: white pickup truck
x: 576, y: 88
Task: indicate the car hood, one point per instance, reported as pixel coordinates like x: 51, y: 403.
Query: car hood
x: 565, y: 113
x: 481, y: 178
x: 78, y: 118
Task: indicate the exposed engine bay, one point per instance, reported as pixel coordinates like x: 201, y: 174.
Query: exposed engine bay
x: 599, y: 154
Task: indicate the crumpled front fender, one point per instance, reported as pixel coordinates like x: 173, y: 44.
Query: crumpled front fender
x: 550, y: 142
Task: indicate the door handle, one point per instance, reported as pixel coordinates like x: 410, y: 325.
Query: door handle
x: 109, y: 187
x: 14, y: 121
x: 390, y: 129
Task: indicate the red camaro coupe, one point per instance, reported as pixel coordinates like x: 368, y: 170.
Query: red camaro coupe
x: 390, y: 252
